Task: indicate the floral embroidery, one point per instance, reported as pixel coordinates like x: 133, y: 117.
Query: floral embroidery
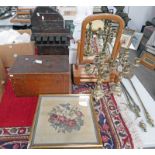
x: 66, y: 118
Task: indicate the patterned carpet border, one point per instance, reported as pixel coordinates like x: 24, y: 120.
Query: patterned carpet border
x: 14, y: 137
x: 113, y: 129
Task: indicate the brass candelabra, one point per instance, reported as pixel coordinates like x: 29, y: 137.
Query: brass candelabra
x: 100, y: 60
x: 103, y: 65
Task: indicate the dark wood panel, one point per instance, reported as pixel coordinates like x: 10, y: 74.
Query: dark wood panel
x: 50, y: 64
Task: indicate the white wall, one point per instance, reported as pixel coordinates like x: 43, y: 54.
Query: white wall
x: 139, y: 15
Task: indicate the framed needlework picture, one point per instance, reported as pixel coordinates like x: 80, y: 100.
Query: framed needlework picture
x: 65, y: 121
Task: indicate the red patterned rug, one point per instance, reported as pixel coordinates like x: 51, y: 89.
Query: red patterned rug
x: 16, y: 116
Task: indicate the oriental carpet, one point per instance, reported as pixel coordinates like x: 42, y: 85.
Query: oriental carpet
x: 16, y: 117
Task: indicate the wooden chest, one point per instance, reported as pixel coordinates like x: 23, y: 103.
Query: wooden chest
x: 41, y: 74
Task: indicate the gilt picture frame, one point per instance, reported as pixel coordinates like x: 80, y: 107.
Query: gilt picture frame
x: 65, y: 121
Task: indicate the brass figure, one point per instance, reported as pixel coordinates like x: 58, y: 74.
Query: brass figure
x: 98, y: 92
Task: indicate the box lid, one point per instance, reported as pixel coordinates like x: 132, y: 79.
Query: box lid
x: 36, y: 64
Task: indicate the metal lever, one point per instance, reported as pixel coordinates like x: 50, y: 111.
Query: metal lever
x: 135, y: 108
x: 148, y: 116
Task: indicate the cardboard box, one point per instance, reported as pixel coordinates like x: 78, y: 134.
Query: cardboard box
x: 9, y: 52
x: 3, y: 78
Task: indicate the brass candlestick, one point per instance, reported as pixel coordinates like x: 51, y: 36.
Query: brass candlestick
x: 98, y: 92
x: 89, y: 35
x: 102, y: 65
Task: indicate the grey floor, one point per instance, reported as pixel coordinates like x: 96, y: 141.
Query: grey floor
x: 145, y: 75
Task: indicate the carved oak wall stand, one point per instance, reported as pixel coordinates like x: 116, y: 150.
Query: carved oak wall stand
x: 48, y: 32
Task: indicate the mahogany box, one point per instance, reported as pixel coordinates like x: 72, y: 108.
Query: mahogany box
x: 41, y: 74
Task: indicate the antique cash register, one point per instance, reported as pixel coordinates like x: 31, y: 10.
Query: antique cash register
x: 49, y: 32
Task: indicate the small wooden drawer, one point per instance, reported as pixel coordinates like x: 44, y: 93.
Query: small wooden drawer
x: 148, y: 60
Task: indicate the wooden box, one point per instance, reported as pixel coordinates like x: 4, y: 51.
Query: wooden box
x: 41, y: 74
x: 148, y: 60
x: 23, y: 15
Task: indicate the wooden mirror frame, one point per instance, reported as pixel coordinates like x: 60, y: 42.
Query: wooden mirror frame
x: 105, y: 16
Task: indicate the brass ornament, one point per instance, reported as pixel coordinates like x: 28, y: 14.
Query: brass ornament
x: 88, y: 69
x: 116, y: 89
x: 142, y: 125
x: 98, y: 92
x: 89, y: 35
x: 137, y: 62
